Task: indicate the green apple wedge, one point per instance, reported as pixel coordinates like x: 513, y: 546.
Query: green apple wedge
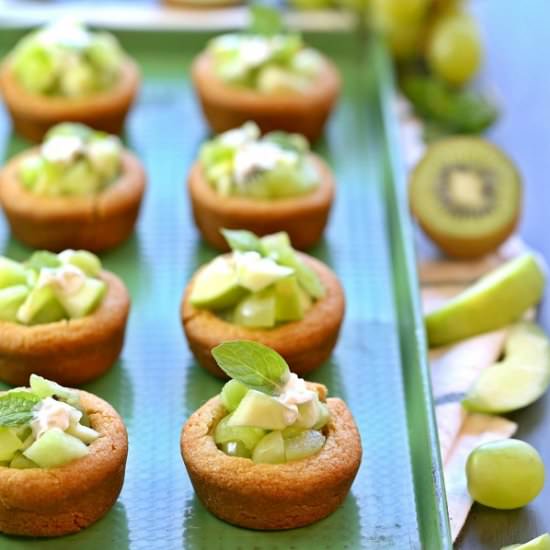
x: 496, y: 300
x: 521, y: 378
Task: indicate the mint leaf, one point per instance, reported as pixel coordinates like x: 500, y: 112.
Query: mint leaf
x: 255, y: 365
x: 265, y: 20
x: 241, y: 240
x: 16, y: 408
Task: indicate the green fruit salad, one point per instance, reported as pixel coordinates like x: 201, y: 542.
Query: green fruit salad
x: 266, y: 58
x: 73, y: 160
x: 64, y: 59
x: 272, y: 415
x: 261, y: 284
x: 43, y: 426
x: 50, y: 287
x: 241, y: 163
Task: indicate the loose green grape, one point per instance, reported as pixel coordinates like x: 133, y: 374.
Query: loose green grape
x: 505, y: 474
x: 232, y: 394
x: 454, y: 48
x: 303, y: 445
x: 246, y: 435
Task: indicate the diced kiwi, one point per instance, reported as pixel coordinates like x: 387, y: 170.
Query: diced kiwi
x: 303, y: 445
x: 466, y: 195
x: 288, y: 302
x: 11, y: 273
x: 21, y: 462
x: 260, y: 410
x: 11, y: 299
x: 496, y: 300
x: 55, y: 448
x: 270, y: 449
x: 216, y: 286
x: 256, y: 310
x: 232, y: 394
x: 84, y: 301
x: 41, y: 306
x: 9, y: 444
x: 247, y: 435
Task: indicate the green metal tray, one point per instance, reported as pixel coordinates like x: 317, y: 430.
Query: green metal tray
x: 379, y: 366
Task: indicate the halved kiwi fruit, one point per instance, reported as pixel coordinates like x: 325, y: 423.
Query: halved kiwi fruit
x: 466, y: 195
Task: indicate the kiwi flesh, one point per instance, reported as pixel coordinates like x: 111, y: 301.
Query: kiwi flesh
x: 466, y: 195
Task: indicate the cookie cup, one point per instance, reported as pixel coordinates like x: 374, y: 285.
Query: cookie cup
x: 303, y: 217
x: 304, y: 344
x: 71, y: 352
x: 227, y: 106
x: 33, y: 114
x: 271, y: 496
x: 52, y: 502
x: 96, y: 223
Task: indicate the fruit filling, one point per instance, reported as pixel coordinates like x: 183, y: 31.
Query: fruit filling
x: 265, y: 59
x: 272, y: 416
x: 43, y: 426
x: 50, y: 287
x: 73, y: 160
x: 66, y: 59
x: 241, y: 163
x: 261, y: 284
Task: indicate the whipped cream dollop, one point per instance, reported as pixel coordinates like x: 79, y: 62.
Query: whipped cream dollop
x: 51, y: 413
x: 62, y: 149
x: 295, y: 391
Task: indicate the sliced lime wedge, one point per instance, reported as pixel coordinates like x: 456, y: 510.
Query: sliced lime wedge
x: 519, y: 379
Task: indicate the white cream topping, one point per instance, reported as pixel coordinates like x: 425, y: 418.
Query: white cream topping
x: 255, y: 272
x: 62, y: 149
x: 67, y: 32
x: 67, y: 279
x: 51, y: 413
x: 238, y: 137
x: 295, y: 392
x: 260, y: 156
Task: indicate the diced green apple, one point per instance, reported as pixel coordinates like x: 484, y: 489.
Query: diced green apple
x: 248, y: 436
x: 9, y: 444
x: 256, y: 310
x: 11, y: 299
x: 40, y: 306
x: 47, y: 388
x: 84, y: 301
x: 84, y: 433
x: 308, y: 414
x: 260, y: 410
x: 56, y: 448
x: 21, y: 462
x: 86, y: 261
x: 288, y: 303
x: 11, y: 273
x: 270, y: 449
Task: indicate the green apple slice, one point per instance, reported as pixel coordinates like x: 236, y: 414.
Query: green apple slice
x: 495, y: 301
x: 288, y: 301
x: 11, y: 273
x: 521, y: 378
x: 270, y: 449
x: 260, y: 410
x: 40, y: 306
x: 84, y: 301
x: 306, y: 444
x: 256, y: 310
x: 9, y: 444
x: 217, y: 286
x: 11, y: 299
x: 247, y: 435
x: 540, y: 543
x: 55, y: 448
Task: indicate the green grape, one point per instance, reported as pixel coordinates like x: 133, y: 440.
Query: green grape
x: 454, y: 48
x: 306, y: 444
x: 235, y: 448
x: 270, y: 449
x: 246, y: 435
x: 405, y: 39
x: 505, y: 474
x: 232, y: 394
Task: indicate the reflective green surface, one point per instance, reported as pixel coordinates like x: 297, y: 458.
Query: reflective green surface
x: 396, y: 501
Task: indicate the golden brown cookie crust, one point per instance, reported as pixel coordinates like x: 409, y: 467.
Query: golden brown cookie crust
x: 226, y: 107
x: 33, y: 114
x: 71, y: 352
x: 304, y: 217
x: 304, y: 344
x: 94, y: 223
x: 271, y: 496
x: 51, y: 502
